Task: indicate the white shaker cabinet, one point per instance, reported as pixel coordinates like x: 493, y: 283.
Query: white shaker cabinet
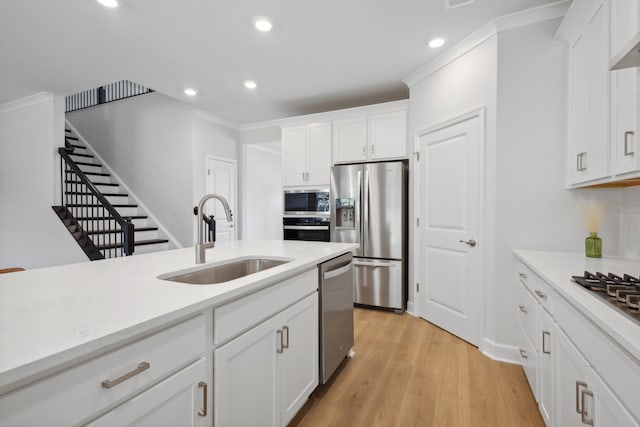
x: 624, y: 91
x: 373, y: 137
x: 589, y: 105
x: 180, y: 400
x: 306, y: 155
x: 264, y: 376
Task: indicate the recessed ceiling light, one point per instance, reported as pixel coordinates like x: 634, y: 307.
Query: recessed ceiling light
x: 250, y: 84
x: 262, y: 24
x: 108, y: 3
x: 190, y: 92
x: 437, y: 42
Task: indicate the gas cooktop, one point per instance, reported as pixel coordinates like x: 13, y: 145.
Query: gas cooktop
x: 623, y: 293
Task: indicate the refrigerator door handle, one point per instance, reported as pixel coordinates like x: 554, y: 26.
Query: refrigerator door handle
x: 365, y: 212
x: 358, y: 218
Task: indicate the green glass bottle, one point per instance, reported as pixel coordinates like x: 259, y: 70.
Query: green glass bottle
x: 593, y: 246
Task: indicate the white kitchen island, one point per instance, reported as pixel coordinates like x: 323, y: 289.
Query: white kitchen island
x: 69, y: 333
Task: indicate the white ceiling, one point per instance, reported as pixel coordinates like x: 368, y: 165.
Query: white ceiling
x: 321, y: 55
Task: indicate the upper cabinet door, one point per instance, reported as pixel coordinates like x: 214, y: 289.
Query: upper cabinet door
x: 318, y: 154
x: 624, y: 91
x: 350, y: 140
x: 294, y: 156
x: 387, y: 135
x: 579, y: 109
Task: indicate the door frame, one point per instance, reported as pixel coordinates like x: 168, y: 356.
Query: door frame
x: 236, y: 215
x: 479, y: 113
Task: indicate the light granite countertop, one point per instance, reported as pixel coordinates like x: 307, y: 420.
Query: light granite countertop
x: 556, y: 268
x: 52, y: 316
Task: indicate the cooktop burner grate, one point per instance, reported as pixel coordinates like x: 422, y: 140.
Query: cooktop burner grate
x: 623, y: 293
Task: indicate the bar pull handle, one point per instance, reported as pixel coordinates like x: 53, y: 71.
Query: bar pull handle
x: 522, y: 308
x: 337, y: 272
x: 203, y: 411
x: 280, y: 349
x: 142, y: 366
x: 578, y: 162
x: 540, y: 294
x: 584, y: 414
x: 285, y: 329
x: 627, y: 134
x: 364, y: 150
x: 373, y: 149
x: 523, y: 354
x: 544, y: 347
x: 578, y: 385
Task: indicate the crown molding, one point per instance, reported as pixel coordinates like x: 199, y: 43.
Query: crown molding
x: 385, y: 107
x: 25, y: 102
x: 257, y: 125
x: 490, y: 29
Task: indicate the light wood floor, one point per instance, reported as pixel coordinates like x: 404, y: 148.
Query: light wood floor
x: 407, y: 372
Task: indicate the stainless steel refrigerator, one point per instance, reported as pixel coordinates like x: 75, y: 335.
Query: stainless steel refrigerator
x: 369, y: 206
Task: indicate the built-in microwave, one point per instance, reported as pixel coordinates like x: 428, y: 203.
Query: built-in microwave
x: 306, y: 202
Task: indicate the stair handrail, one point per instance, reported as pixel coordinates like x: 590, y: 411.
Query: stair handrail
x: 125, y: 224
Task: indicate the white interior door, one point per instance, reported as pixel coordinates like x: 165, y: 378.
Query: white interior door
x: 222, y: 179
x: 449, y: 209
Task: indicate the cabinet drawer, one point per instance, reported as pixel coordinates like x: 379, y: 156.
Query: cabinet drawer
x: 528, y: 359
x: 526, y: 312
x: 542, y: 292
x: 620, y: 371
x: 46, y: 403
x: 238, y: 316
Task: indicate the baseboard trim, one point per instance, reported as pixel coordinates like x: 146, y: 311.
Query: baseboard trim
x: 411, y: 309
x: 500, y: 352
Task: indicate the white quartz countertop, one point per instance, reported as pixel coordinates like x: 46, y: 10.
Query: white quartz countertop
x: 556, y: 268
x: 52, y: 316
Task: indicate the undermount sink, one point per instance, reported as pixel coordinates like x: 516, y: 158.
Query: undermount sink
x: 225, y: 272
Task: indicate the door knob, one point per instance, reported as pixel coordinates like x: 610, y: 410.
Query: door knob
x: 470, y: 242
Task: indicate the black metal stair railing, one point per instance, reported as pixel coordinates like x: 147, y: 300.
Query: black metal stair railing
x: 104, y: 94
x: 111, y: 233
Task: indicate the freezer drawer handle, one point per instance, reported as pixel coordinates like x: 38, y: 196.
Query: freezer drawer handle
x: 306, y: 227
x: 374, y: 264
x: 337, y: 272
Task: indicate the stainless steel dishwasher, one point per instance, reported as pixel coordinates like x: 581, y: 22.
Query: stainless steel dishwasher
x: 336, y: 313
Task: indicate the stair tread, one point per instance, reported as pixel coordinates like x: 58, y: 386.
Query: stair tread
x: 95, y: 183
x: 98, y: 165
x: 78, y: 146
x: 111, y: 231
x: 86, y: 205
x: 84, y: 193
x: 82, y: 155
x: 72, y: 138
x: 139, y: 243
x: 68, y: 130
x: 106, y: 218
x: 97, y: 173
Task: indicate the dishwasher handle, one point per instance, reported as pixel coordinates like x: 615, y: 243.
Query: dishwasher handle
x: 337, y: 272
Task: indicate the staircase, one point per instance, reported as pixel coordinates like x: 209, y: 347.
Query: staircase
x: 96, y: 211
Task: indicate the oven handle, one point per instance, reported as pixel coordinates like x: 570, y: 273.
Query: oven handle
x: 306, y: 227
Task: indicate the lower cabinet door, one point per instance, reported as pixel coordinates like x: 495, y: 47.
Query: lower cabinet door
x: 572, y: 375
x: 546, y: 359
x: 299, y: 362
x: 245, y: 378
x: 180, y: 400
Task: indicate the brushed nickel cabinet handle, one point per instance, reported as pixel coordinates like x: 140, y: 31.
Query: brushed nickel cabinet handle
x: 286, y: 344
x: 578, y: 385
x: 280, y: 349
x: 523, y: 354
x: 540, y: 293
x: 203, y: 411
x: 373, y: 149
x: 626, y: 143
x: 364, y: 150
x: 544, y: 347
x: 583, y: 414
x: 143, y: 366
x: 522, y: 308
x: 578, y: 156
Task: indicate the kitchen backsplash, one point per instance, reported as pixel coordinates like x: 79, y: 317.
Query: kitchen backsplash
x: 629, y: 216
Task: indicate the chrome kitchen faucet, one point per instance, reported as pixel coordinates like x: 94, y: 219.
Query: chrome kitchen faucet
x: 201, y: 246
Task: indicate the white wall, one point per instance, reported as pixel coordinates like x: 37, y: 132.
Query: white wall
x: 629, y: 222
x: 533, y: 210
x: 31, y: 234
x: 262, y: 179
x: 147, y: 141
